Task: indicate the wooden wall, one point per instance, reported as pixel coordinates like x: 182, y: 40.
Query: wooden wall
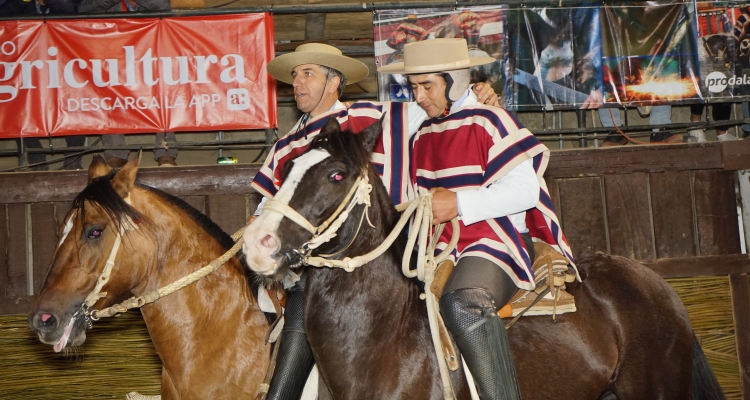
x: 674, y: 208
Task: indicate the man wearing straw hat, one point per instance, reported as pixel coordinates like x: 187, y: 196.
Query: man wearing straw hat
x: 495, y: 185
x: 319, y: 73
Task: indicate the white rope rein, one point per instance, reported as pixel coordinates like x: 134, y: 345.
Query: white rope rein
x: 421, y: 209
x: 140, y: 301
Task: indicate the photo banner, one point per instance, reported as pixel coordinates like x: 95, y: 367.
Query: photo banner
x: 482, y: 27
x: 724, y: 50
x: 554, y: 58
x: 590, y: 56
x: 649, y: 53
x: 99, y: 76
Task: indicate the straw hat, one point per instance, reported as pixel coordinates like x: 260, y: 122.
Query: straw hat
x: 436, y: 55
x: 317, y: 53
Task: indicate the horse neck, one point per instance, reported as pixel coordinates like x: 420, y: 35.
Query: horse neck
x: 223, y: 297
x: 380, y: 280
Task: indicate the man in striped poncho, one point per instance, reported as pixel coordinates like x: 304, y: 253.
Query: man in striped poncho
x: 319, y: 73
x: 495, y: 185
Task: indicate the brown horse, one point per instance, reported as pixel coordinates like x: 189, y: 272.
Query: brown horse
x: 210, y: 335
x: 630, y: 338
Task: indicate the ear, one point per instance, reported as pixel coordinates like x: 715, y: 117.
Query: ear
x: 333, y: 85
x: 98, y: 167
x: 124, y: 180
x: 371, y: 134
x: 331, y: 126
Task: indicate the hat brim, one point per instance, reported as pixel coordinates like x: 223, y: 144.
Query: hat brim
x: 398, y: 68
x: 281, y: 67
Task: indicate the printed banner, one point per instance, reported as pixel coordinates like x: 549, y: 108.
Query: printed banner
x: 482, y: 28
x: 649, y: 53
x: 554, y: 58
x: 68, y: 77
x: 724, y: 50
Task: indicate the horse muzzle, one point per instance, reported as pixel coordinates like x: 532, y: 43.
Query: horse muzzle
x: 58, y: 331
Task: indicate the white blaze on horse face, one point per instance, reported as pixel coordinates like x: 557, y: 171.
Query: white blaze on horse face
x: 260, y: 238
x: 67, y: 229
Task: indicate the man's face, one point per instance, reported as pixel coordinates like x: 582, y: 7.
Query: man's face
x: 309, y: 84
x: 429, y: 91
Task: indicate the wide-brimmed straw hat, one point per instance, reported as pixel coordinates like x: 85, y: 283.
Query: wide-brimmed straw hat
x: 436, y: 55
x: 317, y: 53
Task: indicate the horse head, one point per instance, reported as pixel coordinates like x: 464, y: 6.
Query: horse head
x: 101, y: 218
x: 318, y: 187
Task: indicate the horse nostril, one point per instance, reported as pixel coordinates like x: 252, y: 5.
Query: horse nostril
x: 269, y: 242
x: 46, y: 320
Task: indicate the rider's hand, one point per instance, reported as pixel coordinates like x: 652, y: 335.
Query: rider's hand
x: 444, y: 205
x: 485, y: 94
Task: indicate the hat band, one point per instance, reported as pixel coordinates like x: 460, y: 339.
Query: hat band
x: 436, y: 67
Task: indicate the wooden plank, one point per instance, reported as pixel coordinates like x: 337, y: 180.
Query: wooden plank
x: 43, y: 239
x: 628, y: 216
x: 227, y: 210
x: 740, y: 289
x: 65, y: 185
x: 672, y: 205
x: 716, y: 212
x: 582, y: 209
x: 17, y: 305
x: 629, y: 159
x: 199, y: 202
x: 315, y: 24
x: 16, y: 249
x: 736, y: 154
x: 699, y: 266
x: 554, y: 193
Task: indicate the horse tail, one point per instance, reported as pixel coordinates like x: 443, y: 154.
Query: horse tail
x: 705, y: 386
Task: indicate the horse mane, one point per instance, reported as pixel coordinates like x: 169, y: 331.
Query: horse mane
x: 102, y: 195
x: 345, y: 145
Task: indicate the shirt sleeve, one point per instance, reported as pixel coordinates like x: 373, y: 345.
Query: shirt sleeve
x: 417, y: 115
x: 515, y: 192
x: 262, y: 203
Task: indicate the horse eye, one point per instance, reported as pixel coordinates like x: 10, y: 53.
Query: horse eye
x: 95, y: 233
x: 336, y: 177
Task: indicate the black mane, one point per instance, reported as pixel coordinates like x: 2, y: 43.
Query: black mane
x: 345, y: 145
x: 103, y: 196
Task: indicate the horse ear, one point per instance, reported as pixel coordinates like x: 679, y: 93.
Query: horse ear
x: 124, y: 180
x: 331, y: 126
x: 98, y: 167
x: 371, y: 134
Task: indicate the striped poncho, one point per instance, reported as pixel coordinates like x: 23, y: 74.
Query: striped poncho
x: 389, y: 156
x: 471, y: 148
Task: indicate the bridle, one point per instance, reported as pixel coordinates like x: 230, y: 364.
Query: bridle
x: 421, y: 210
x: 89, y: 315
x: 327, y: 230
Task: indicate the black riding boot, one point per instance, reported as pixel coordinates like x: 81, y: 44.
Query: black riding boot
x: 295, y: 358
x: 471, y: 317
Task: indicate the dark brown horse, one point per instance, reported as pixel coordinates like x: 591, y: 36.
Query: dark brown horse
x: 630, y: 338
x: 210, y: 335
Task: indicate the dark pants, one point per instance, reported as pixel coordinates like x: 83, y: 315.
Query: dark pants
x: 477, y: 272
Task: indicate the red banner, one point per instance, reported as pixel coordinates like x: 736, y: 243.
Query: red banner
x: 70, y: 77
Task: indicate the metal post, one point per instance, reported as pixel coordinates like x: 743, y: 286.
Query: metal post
x: 220, y: 136
x: 581, y: 115
x: 743, y: 177
x: 559, y: 126
x: 22, y: 156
